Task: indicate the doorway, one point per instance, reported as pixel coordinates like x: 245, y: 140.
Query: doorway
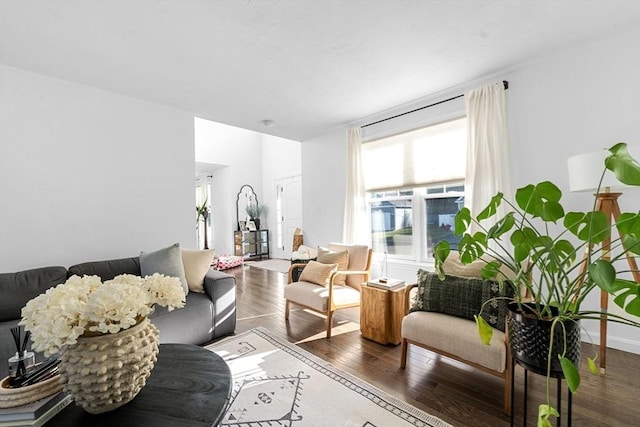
x: 288, y: 214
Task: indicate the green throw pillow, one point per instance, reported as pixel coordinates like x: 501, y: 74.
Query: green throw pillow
x: 461, y: 297
x: 495, y: 311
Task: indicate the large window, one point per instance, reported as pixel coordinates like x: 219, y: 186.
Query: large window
x: 415, y: 186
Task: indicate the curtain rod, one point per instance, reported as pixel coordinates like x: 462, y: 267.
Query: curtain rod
x: 504, y: 83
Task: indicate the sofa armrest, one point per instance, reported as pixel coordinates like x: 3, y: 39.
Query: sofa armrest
x: 221, y: 289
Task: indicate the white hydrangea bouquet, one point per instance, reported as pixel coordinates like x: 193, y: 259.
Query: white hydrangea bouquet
x: 84, y: 306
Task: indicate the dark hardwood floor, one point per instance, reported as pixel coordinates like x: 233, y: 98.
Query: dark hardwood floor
x: 457, y: 393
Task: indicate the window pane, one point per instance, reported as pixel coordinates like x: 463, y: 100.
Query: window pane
x: 440, y: 221
x: 392, y: 227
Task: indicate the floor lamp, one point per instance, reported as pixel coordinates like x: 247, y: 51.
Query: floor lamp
x: 584, y: 175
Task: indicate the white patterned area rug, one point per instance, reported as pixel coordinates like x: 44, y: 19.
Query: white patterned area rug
x: 277, y: 383
x: 279, y: 265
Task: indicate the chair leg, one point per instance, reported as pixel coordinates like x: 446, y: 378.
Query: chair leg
x: 508, y: 386
x: 403, y: 353
x: 329, y: 323
x: 286, y: 310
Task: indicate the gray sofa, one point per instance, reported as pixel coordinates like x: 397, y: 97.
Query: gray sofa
x: 205, y: 316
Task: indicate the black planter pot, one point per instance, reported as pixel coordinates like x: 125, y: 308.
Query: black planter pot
x: 256, y: 221
x: 529, y: 340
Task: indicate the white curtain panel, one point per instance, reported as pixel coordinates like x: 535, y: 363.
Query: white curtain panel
x: 355, y: 213
x: 488, y: 170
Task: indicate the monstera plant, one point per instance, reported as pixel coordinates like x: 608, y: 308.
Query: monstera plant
x: 554, y: 260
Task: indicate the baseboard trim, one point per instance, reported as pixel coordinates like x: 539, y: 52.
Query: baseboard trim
x: 618, y: 343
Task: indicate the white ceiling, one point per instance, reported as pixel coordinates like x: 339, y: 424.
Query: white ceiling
x: 307, y: 65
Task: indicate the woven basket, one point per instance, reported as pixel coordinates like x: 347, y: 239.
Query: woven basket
x: 105, y: 372
x: 10, y: 397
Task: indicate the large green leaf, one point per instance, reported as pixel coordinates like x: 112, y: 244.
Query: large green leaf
x: 462, y: 221
x: 544, y: 413
x: 441, y: 251
x: 554, y: 256
x: 541, y: 200
x: 484, y: 330
x: 492, y: 207
x: 592, y: 227
x: 625, y: 167
x: 490, y: 270
x: 603, y: 274
x: 501, y: 227
x: 472, y: 247
x: 628, y: 225
x: 627, y: 295
x: 571, y: 374
x: 523, y: 242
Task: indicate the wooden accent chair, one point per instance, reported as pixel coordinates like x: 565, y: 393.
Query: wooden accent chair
x: 457, y: 338
x: 343, y: 287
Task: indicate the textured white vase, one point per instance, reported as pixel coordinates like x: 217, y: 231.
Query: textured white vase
x: 105, y: 372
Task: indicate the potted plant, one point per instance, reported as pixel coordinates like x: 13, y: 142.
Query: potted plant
x: 544, y: 258
x: 202, y: 214
x: 255, y: 211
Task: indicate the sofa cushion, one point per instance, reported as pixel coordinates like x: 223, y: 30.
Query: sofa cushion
x: 318, y: 273
x: 107, y: 270
x: 455, y: 335
x: 327, y: 256
x: 18, y: 288
x: 167, y: 261
x: 463, y: 297
x: 317, y: 297
x: 196, y: 264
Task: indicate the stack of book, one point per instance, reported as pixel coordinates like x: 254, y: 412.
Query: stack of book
x: 36, y: 413
x: 386, y: 283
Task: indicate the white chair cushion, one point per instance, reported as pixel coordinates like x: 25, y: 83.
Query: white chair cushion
x: 455, y: 336
x: 317, y: 297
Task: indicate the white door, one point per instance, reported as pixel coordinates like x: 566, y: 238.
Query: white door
x: 288, y: 214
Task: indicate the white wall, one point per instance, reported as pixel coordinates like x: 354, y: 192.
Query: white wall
x: 240, y: 152
x: 281, y: 158
x: 583, y: 100
x: 324, y: 168
x: 87, y: 174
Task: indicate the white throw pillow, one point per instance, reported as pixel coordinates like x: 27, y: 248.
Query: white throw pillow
x: 196, y: 265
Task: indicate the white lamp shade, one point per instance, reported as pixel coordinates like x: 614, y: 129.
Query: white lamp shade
x: 586, y: 169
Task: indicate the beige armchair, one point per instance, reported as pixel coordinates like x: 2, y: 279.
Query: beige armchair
x: 455, y: 337
x: 342, y: 288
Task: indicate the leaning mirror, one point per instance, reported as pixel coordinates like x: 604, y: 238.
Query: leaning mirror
x: 246, y: 197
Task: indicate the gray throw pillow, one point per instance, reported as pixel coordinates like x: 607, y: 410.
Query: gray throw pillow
x: 462, y: 297
x: 167, y: 261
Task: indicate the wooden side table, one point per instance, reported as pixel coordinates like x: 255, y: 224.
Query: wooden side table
x: 381, y: 313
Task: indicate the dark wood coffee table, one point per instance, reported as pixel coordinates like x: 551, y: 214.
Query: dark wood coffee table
x: 189, y: 386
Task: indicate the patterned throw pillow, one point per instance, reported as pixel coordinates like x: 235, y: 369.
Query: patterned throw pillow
x: 462, y: 297
x: 495, y: 311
